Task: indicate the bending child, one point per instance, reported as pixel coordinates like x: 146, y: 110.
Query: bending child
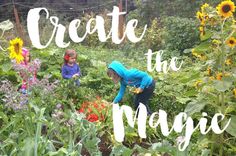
x: 144, y: 83
x: 71, y: 69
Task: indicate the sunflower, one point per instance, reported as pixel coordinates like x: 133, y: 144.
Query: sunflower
x: 226, y: 8
x: 231, y: 42
x: 228, y: 61
x: 15, y: 49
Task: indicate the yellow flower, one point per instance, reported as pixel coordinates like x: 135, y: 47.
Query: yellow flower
x: 202, y: 17
x: 212, y: 78
x: 199, y: 15
x: 219, y: 76
x: 197, y: 83
x: 226, y: 8
x: 201, y: 29
x: 234, y: 91
x: 216, y: 42
x: 15, y: 49
x: 201, y: 56
x: 204, y: 6
x: 208, y: 71
x: 228, y: 61
x: 231, y: 42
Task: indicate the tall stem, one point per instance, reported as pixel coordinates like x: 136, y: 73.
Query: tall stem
x: 222, y: 100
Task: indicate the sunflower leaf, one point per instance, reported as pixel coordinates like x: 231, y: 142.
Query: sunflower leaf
x: 6, y: 66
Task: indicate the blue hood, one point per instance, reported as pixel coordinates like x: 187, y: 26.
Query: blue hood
x: 118, y: 68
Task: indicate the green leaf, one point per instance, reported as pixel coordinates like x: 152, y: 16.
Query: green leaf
x: 182, y: 100
x: 222, y: 86
x: 121, y: 150
x: 6, y: 66
x: 204, y: 46
x: 28, y: 148
x: 4, y: 117
x: 190, y: 78
x: 205, y: 152
x: 194, y: 107
x: 231, y: 129
x: 206, y: 36
x: 187, y: 51
x: 165, y: 146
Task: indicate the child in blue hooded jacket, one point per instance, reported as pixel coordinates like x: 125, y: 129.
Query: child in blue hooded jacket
x: 143, y: 82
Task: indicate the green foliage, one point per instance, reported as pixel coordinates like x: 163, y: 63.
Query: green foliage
x: 181, y: 33
x: 44, y: 129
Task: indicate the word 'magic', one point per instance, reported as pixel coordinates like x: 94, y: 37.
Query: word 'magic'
x: 182, y: 123
x: 59, y: 30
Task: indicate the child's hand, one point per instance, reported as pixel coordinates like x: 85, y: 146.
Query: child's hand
x: 75, y: 75
x: 138, y: 90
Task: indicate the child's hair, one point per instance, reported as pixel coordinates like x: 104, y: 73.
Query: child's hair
x: 69, y: 53
x: 110, y: 71
x: 24, y: 53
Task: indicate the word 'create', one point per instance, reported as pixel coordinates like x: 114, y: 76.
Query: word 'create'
x: 59, y: 30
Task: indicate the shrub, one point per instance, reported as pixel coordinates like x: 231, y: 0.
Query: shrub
x: 181, y: 33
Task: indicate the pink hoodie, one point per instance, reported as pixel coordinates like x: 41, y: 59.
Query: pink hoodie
x: 26, y: 65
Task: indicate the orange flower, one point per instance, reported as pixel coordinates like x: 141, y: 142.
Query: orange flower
x: 92, y: 117
x: 219, y: 76
x: 94, y: 110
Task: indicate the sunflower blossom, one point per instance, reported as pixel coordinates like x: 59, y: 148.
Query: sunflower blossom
x: 15, y: 49
x: 231, y: 42
x: 226, y: 8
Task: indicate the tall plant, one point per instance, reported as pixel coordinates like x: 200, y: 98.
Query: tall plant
x: 216, y: 88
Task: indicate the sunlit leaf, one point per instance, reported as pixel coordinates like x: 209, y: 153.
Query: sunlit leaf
x: 222, y: 86
x: 6, y: 25
x: 231, y: 129
x: 194, y: 107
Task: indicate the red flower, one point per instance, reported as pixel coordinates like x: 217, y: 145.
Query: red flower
x: 92, y: 117
x: 81, y: 110
x: 94, y: 110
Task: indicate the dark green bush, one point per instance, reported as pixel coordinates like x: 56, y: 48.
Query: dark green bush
x: 181, y: 33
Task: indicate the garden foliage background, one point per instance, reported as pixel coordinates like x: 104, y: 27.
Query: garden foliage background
x: 54, y: 121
